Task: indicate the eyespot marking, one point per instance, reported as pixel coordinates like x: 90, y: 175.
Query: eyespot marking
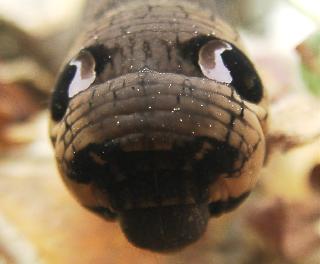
x: 85, y: 73
x: 78, y: 75
x: 211, y: 61
x: 223, y: 62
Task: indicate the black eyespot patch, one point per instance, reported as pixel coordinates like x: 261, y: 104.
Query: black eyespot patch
x: 221, y: 61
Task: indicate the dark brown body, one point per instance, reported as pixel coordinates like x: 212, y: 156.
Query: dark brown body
x: 152, y: 141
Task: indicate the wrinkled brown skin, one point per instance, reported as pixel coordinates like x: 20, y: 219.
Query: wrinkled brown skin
x: 133, y: 105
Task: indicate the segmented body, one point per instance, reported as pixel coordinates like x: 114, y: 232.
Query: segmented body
x: 159, y: 119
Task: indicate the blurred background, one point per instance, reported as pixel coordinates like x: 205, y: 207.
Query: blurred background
x: 280, y: 222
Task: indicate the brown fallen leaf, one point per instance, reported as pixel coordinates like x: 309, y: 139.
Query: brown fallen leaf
x: 289, y: 228
x: 16, y: 105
